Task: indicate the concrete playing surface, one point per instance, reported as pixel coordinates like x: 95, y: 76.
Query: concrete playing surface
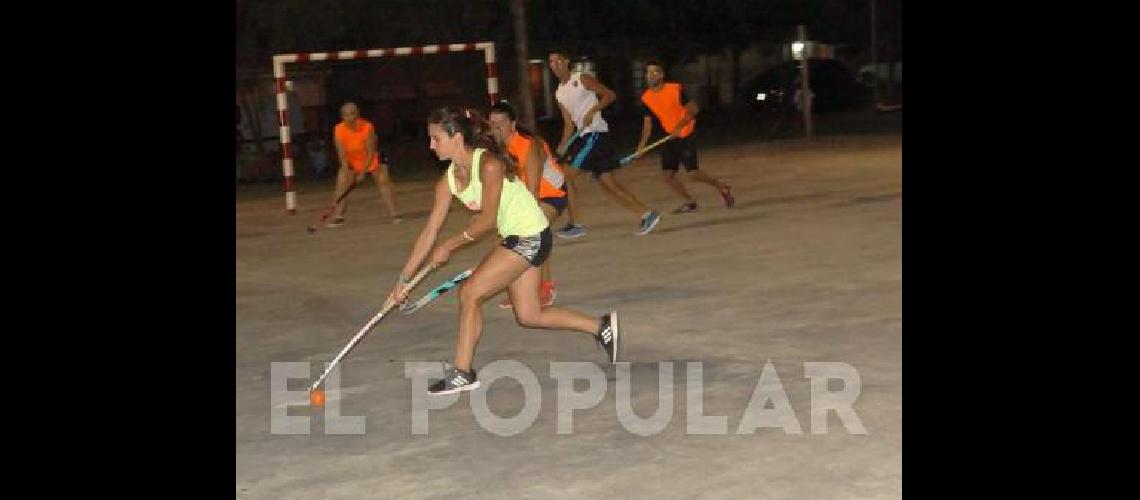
x: 806, y: 268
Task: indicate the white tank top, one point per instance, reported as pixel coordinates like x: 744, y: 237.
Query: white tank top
x: 578, y: 100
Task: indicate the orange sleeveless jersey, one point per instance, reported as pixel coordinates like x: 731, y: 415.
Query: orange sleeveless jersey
x: 519, y: 147
x: 354, y: 141
x: 666, y: 104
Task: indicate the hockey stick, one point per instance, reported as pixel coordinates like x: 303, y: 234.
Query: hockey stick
x: 637, y: 154
x: 436, y: 292
x: 363, y: 331
x: 328, y: 211
x: 561, y: 153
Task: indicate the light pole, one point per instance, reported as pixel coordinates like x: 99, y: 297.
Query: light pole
x: 874, y: 58
x: 805, y: 79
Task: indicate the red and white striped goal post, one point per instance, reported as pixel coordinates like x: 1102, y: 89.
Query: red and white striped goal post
x: 280, y: 60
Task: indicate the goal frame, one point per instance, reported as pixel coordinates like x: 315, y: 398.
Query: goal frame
x: 280, y: 60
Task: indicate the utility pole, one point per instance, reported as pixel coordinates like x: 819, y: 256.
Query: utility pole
x: 518, y: 10
x: 874, y: 57
x: 805, y: 81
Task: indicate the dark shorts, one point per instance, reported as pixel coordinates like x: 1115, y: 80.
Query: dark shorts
x: 535, y: 248
x: 558, y: 202
x: 383, y: 161
x: 594, y: 153
x: 679, y: 151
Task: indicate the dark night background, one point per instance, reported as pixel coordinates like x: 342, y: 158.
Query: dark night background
x: 714, y: 47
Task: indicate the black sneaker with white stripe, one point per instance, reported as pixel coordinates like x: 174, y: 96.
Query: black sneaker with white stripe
x: 608, y: 337
x: 454, y: 380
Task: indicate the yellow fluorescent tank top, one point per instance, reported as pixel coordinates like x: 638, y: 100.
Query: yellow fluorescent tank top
x: 519, y: 214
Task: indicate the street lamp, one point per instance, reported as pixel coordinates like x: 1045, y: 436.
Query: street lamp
x: 798, y: 51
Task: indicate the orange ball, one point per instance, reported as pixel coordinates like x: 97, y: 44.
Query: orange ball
x: 317, y: 397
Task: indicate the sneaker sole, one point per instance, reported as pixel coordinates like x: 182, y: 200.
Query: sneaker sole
x: 469, y: 387
x: 650, y: 228
x: 617, y: 337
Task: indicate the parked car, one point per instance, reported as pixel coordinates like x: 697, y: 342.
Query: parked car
x: 889, y: 73
x: 834, y: 87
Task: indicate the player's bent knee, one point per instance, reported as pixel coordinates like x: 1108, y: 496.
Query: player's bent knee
x: 469, y: 294
x: 528, y: 319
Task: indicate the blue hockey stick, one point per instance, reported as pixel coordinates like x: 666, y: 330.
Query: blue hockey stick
x: 561, y: 153
x: 407, y: 308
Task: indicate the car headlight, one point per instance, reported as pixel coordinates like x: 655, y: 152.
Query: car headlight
x: 760, y: 96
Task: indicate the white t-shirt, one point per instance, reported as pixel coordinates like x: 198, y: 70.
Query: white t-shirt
x: 578, y: 100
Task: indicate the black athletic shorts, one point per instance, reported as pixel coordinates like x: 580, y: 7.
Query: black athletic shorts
x: 679, y: 151
x: 594, y: 153
x: 535, y: 248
